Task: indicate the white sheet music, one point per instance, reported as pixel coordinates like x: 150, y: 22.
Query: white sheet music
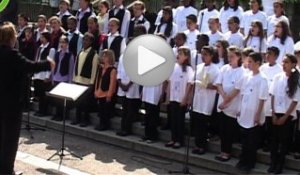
x: 67, y: 90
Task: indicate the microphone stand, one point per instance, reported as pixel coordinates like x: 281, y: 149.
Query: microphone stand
x: 186, y: 169
x: 201, y: 21
x: 29, y: 100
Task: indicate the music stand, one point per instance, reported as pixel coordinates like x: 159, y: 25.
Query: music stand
x: 71, y: 92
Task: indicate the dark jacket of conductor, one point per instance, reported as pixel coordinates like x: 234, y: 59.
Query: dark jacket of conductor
x: 13, y: 72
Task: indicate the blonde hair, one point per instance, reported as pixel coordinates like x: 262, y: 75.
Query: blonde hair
x: 139, y: 3
x: 110, y: 55
x: 8, y: 34
x: 54, y: 18
x: 116, y: 20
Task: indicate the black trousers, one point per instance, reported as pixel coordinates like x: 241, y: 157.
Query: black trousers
x: 297, y: 134
x: 228, y: 132
x: 201, y: 122
x: 84, y: 105
x: 192, y: 125
x: 267, y: 132
x: 130, y: 112
x: 297, y: 142
x: 250, y: 142
x: 40, y: 89
x: 280, y: 142
x: 214, y: 119
x: 177, y: 122
x: 106, y: 111
x: 151, y: 121
x: 292, y: 136
x: 10, y: 125
x: 169, y: 118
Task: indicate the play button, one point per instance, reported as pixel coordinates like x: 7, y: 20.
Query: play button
x: 148, y: 60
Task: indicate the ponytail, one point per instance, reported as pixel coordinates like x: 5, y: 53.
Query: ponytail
x: 293, y: 80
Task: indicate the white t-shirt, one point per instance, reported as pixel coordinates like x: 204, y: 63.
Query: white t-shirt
x: 256, y: 45
x: 191, y: 38
x: 253, y: 88
x: 246, y: 69
x: 180, y: 16
x: 178, y: 82
x: 163, y: 28
x: 228, y: 78
x: 249, y: 17
x: 203, y: 18
x: 204, y: 99
x: 214, y: 37
x: 226, y: 14
x: 281, y: 100
x: 270, y: 72
x: 297, y: 46
x: 235, y: 39
x: 287, y: 47
x: 133, y: 91
x: 152, y: 94
x: 272, y: 21
x: 221, y: 63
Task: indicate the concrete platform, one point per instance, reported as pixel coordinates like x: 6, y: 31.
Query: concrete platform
x: 157, y: 149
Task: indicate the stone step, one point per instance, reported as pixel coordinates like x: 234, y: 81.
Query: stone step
x: 213, y: 146
x: 164, y: 136
x: 156, y: 149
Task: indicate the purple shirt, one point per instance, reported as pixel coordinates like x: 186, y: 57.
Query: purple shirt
x: 67, y: 78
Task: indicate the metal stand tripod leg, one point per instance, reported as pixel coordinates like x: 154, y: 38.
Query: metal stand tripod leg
x: 185, y: 169
x: 62, y: 150
x: 28, y: 127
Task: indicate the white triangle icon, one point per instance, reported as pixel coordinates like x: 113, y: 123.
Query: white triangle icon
x: 148, y: 60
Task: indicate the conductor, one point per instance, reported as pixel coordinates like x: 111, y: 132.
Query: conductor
x: 13, y: 71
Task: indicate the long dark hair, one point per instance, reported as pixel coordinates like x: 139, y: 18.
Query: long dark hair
x: 261, y: 7
x: 225, y: 45
x: 260, y: 34
x: 169, y: 23
x: 282, y: 6
x: 211, y: 50
x: 203, y: 5
x: 293, y: 80
x: 285, y: 31
x: 235, y: 7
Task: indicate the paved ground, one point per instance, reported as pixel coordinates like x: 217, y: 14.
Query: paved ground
x: 98, y: 158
